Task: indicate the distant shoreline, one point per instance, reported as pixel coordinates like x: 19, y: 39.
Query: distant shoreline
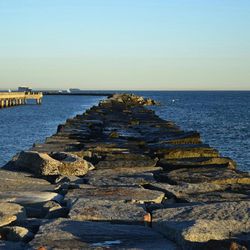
x: 132, y: 90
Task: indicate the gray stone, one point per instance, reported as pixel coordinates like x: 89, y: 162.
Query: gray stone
x: 121, y: 176
x: 220, y: 176
x: 171, y: 164
x: 72, y: 164
x: 126, y: 163
x: 191, y: 137
x: 185, y: 151
x: 37, y: 163
x: 18, y: 181
x: 189, y: 225
x: 106, y: 210
x: 127, y: 156
x: 70, y: 234
x: 51, y: 164
x: 202, y: 192
x: 137, y: 195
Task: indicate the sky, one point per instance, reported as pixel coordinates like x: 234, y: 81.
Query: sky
x: 125, y: 44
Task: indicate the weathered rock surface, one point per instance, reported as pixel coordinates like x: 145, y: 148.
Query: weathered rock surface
x: 51, y: 164
x: 203, y: 192
x: 120, y: 161
x: 201, y: 223
x: 137, y: 195
x: 213, y: 175
x: 107, y: 210
x: 121, y: 176
x: 72, y: 164
x: 71, y: 234
x: 129, y: 100
x: 183, y: 151
x: 18, y: 181
x: 37, y: 163
x: 171, y: 164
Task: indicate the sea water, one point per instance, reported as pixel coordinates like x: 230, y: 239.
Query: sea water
x: 221, y: 117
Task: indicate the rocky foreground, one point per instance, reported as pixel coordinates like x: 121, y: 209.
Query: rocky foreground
x: 120, y: 177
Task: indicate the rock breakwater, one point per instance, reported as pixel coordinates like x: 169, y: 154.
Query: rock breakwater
x: 120, y: 177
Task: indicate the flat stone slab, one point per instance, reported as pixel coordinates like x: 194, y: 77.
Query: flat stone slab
x: 203, y: 192
x: 221, y: 176
x: 117, y: 171
x: 171, y: 164
x: 221, y: 196
x: 189, y: 225
x: 185, y: 151
x: 121, y: 176
x: 19, y: 181
x: 137, y: 195
x: 124, y: 163
x: 71, y: 234
x: 106, y: 210
x: 10, y: 212
x: 191, y: 137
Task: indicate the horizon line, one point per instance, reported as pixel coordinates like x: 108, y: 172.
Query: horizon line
x: 57, y: 89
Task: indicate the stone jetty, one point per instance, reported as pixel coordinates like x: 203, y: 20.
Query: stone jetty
x: 120, y: 177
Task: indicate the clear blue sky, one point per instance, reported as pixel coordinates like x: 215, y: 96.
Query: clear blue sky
x: 125, y: 44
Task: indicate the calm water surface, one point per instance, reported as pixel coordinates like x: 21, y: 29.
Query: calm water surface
x: 222, y: 118
x: 21, y: 126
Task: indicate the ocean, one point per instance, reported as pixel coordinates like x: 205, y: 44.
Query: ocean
x: 221, y: 117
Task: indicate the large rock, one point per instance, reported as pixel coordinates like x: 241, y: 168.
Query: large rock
x: 53, y: 164
x: 121, y: 176
x: 37, y: 163
x: 171, y: 164
x: 185, y: 151
x: 137, y: 195
x: 72, y: 164
x: 203, y: 192
x: 185, y: 138
x: 10, y: 212
x: 107, y: 210
x: 71, y: 234
x: 25, y: 182
x: 193, y: 226
x: 127, y: 99
x: 118, y: 162
x: 220, y: 176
